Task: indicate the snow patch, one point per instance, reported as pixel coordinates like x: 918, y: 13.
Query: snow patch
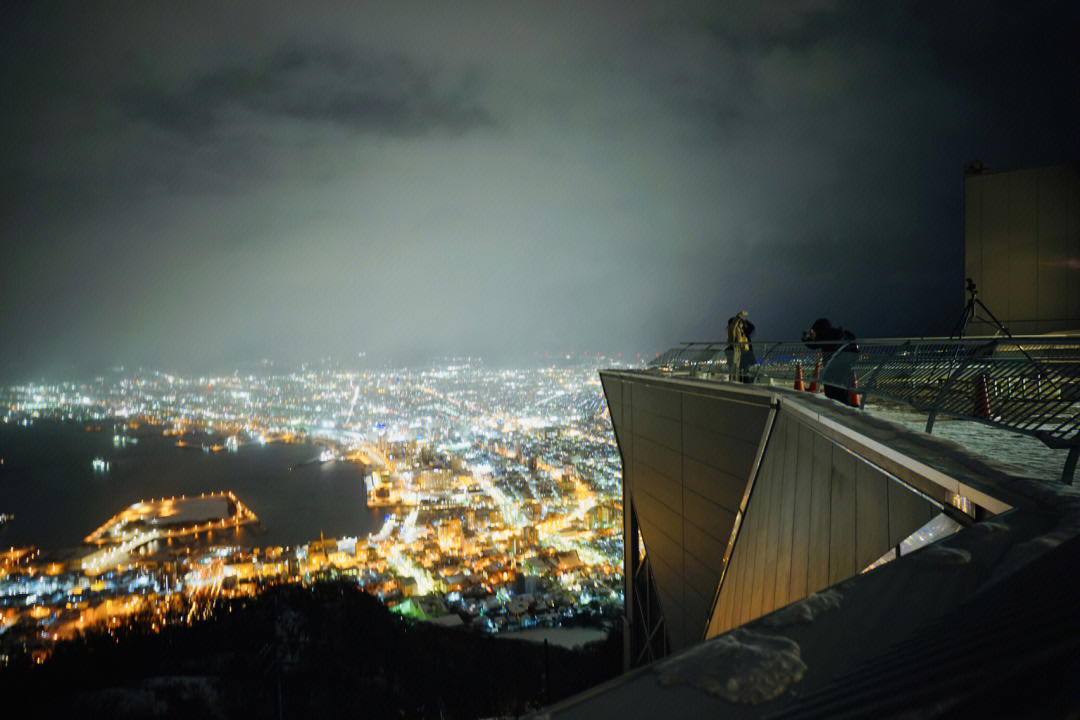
x: 805, y: 610
x: 741, y: 666
x: 988, y: 527
x: 1025, y: 552
x: 941, y: 555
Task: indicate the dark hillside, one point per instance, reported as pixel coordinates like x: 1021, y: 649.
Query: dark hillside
x: 328, y: 651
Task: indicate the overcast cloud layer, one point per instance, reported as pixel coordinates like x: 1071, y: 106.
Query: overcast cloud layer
x: 189, y: 186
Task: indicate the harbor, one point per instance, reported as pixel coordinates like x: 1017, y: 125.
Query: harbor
x: 165, y: 520
x: 59, y: 498
x: 173, y: 517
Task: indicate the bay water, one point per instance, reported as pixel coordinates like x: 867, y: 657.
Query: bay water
x: 49, y: 484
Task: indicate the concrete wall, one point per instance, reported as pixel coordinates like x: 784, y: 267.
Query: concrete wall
x: 1022, y: 247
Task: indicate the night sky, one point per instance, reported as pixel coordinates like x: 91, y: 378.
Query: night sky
x: 194, y: 185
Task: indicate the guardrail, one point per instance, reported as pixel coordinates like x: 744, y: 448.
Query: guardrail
x: 1029, y: 385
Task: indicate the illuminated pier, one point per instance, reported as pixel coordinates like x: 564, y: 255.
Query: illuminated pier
x: 167, y: 518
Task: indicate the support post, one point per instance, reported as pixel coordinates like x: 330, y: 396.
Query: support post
x: 1070, y: 465
x: 630, y: 570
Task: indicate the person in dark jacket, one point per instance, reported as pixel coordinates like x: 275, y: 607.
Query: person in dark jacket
x: 822, y: 336
x: 740, y: 353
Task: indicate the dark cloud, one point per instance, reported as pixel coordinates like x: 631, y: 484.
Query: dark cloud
x: 193, y: 183
x: 229, y: 120
x: 358, y: 90
x: 1020, y: 61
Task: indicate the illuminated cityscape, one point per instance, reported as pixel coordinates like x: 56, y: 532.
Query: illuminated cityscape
x: 500, y: 491
x: 301, y: 409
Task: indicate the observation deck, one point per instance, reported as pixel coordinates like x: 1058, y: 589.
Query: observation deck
x: 787, y: 554
x: 1027, y: 385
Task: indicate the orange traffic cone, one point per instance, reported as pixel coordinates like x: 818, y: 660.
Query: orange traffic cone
x: 852, y: 396
x: 799, y: 385
x: 817, y: 376
x: 982, y: 399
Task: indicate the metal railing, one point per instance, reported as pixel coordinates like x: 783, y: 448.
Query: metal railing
x: 1029, y: 385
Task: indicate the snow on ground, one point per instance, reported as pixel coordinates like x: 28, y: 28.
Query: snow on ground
x: 805, y: 610
x: 740, y: 666
x: 1028, y: 455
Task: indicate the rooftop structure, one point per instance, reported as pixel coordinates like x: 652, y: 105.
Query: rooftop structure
x: 1022, y: 243
x: 789, y: 556
x: 1027, y: 384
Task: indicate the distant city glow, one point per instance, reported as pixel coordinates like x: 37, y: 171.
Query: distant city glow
x: 502, y: 491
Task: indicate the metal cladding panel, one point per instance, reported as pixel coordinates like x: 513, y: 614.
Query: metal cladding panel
x: 817, y: 515
x: 696, y: 607
x: 786, y: 512
x: 723, y: 452
x: 657, y: 428
x: 671, y: 607
x: 904, y: 638
x: 613, y: 392
x: 726, y: 607
x: 765, y: 551
x: 662, y: 459
x: 665, y: 556
x: 714, y: 520
x: 659, y: 400
x: 908, y: 511
x: 713, y: 484
x: 685, y: 483
x: 1072, y: 212
x: 744, y: 590
x: 742, y: 595
x: 1024, y: 249
x: 725, y: 416
x: 702, y: 547
x: 1022, y: 244
x: 997, y: 223
x: 817, y: 571
x: 777, y: 467
x: 665, y: 489
x: 737, y: 582
x: 703, y: 580
x: 973, y: 240
x: 844, y: 513
x: 800, y: 534
x: 719, y: 612
x: 872, y: 499
x: 654, y: 514
x: 1053, y: 246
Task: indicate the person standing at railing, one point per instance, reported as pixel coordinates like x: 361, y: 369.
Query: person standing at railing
x: 824, y: 337
x: 740, y: 353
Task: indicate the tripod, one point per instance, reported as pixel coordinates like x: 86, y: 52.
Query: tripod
x: 970, y: 315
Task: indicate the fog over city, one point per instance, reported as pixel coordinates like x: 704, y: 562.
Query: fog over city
x: 192, y: 185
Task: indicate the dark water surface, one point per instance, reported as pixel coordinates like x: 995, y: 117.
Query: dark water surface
x: 47, y: 482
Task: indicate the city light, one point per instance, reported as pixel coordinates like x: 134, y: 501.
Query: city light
x: 501, y: 493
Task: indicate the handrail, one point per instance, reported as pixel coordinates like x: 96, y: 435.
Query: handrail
x: 1029, y: 384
